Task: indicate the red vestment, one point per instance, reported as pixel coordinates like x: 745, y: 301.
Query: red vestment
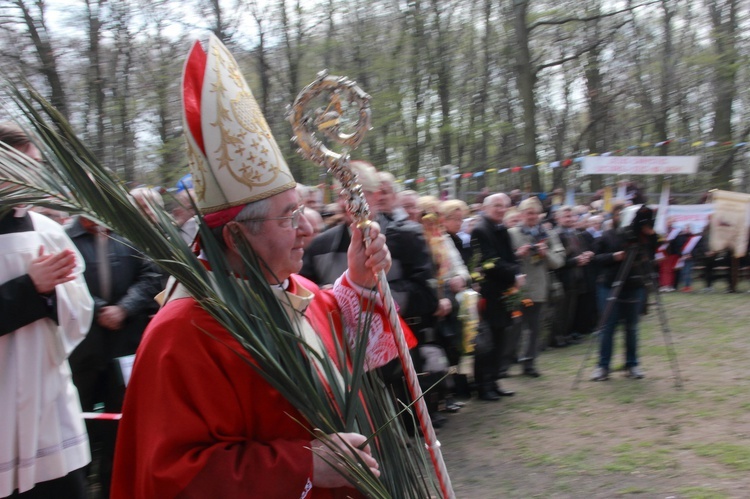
x: 198, y: 421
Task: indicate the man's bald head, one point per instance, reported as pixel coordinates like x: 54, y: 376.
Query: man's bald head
x: 495, y: 205
x: 499, y: 196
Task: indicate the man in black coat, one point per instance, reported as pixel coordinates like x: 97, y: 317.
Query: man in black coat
x: 411, y: 277
x: 123, y: 284
x: 612, y: 252
x: 571, y: 276
x: 497, y: 260
x: 587, y: 314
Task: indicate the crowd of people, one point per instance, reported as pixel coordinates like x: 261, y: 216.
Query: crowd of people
x: 493, y: 285
x: 542, y: 273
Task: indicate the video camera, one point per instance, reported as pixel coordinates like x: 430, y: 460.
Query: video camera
x: 633, y: 219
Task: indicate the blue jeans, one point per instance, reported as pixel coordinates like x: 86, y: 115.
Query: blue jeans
x: 627, y: 308
x: 686, y: 273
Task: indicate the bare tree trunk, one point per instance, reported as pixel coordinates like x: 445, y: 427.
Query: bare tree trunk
x: 526, y: 78
x: 667, y: 81
x: 482, y: 102
x: 121, y: 73
x: 725, y: 25
x: 37, y: 30
x: 220, y: 27
x: 442, y: 64
x: 264, y: 68
x: 558, y: 122
x: 294, y: 38
x: 328, y: 54
x: 171, y: 149
x: 596, y: 101
x: 419, y: 80
x: 474, y: 142
x: 95, y: 81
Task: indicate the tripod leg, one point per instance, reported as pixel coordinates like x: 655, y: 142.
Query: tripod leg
x: 666, y: 332
x: 592, y: 341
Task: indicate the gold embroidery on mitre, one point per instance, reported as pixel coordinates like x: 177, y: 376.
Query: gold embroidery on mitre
x: 248, y: 115
x: 241, y: 162
x: 197, y: 164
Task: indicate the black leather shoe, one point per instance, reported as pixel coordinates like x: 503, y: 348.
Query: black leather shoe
x: 489, y: 396
x: 531, y: 372
x: 504, y: 393
x: 452, y: 406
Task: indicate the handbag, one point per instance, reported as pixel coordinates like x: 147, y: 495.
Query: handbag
x: 483, y: 343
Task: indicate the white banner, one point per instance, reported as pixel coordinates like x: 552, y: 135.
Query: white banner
x: 729, y: 223
x: 693, y: 215
x: 640, y: 165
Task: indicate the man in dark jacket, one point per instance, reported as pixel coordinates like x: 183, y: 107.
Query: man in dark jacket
x: 612, y: 251
x: 587, y: 315
x: 411, y: 274
x: 123, y: 284
x: 493, y: 250
x: 571, y: 276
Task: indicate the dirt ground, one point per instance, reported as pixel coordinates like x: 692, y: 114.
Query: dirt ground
x: 620, y: 438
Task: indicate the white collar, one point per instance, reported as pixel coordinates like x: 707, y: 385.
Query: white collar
x: 20, y: 211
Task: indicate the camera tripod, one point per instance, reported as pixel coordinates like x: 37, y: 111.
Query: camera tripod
x: 614, y: 294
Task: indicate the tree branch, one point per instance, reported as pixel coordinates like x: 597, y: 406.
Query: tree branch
x: 558, y: 22
x: 578, y: 53
x: 572, y: 57
x: 594, y: 121
x: 730, y: 157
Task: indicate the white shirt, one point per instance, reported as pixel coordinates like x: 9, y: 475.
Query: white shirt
x: 42, y: 433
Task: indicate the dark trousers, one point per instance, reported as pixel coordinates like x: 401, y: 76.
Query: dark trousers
x: 509, y: 353
x: 488, y: 357
x: 532, y: 323
x: 450, y: 333
x: 587, y: 313
x: 710, y: 264
x: 734, y: 274
x: 564, y: 313
x: 627, y: 308
x: 101, y: 387
x: 70, y: 486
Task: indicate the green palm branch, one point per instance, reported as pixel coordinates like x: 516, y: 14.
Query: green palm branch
x: 72, y: 179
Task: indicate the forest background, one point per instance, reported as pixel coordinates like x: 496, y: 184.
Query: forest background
x: 460, y: 89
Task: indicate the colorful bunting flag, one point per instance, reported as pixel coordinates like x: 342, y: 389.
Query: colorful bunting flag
x: 567, y: 162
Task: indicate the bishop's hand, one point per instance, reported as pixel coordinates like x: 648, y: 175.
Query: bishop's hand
x: 366, y: 260
x: 325, y: 473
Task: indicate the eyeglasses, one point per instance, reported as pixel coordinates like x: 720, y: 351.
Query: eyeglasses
x: 294, y: 217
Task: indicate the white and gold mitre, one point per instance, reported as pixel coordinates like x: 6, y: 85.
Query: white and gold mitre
x: 233, y: 157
